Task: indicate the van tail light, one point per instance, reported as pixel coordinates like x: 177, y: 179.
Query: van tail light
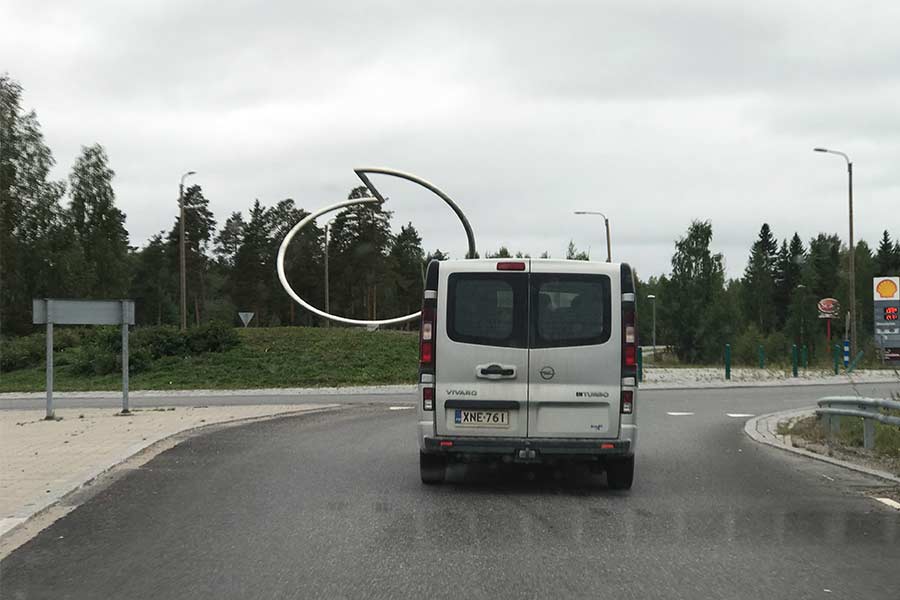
x: 426, y: 337
x: 629, y: 338
x: 627, y: 403
x: 428, y: 398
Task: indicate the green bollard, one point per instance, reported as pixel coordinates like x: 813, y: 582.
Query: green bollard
x: 837, y: 359
x: 762, y: 357
x: 640, y: 362
x: 794, y: 359
x: 805, y: 354
x: 727, y: 362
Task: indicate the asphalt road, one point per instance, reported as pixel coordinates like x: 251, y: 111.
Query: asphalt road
x: 330, y: 506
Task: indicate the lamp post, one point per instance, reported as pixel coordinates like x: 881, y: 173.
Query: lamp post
x: 181, y: 259
x: 802, y: 310
x: 327, y: 294
x: 606, y: 223
x: 852, y: 247
x: 652, y: 297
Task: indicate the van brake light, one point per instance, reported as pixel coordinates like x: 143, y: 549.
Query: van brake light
x: 510, y: 266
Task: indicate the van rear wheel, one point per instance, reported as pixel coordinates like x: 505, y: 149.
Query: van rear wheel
x: 432, y: 468
x: 620, y: 473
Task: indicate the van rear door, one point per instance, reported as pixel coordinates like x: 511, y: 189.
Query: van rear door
x: 481, y: 356
x: 575, y: 361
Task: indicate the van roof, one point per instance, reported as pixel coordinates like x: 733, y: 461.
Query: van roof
x: 564, y: 265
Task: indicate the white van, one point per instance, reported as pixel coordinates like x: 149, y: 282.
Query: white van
x: 527, y: 360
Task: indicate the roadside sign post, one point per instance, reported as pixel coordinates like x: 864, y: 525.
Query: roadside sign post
x: 52, y: 311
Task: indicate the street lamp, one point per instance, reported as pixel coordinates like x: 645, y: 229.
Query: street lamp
x: 606, y: 222
x: 327, y: 294
x: 653, y: 298
x: 181, y: 248
x: 852, y: 247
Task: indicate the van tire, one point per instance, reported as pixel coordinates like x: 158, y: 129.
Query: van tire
x: 432, y: 468
x: 620, y: 473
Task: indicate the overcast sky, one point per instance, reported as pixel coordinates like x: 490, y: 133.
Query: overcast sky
x: 654, y: 113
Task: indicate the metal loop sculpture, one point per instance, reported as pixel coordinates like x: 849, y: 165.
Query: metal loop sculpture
x: 363, y: 173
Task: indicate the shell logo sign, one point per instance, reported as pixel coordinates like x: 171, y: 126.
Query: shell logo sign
x: 887, y: 288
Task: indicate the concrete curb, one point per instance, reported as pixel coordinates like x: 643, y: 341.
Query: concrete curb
x: 141, y: 453
x: 758, y: 429
x: 375, y: 390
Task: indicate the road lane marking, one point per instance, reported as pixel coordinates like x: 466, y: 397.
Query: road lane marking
x: 827, y: 477
x: 739, y: 415
x: 889, y: 502
x: 680, y: 414
x: 400, y: 408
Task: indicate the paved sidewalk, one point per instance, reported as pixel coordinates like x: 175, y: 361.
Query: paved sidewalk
x: 42, y: 461
x: 764, y: 429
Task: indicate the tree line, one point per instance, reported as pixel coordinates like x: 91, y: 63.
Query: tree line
x: 774, y: 303
x: 80, y: 249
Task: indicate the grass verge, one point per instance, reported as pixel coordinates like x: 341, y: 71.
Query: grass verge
x: 266, y: 358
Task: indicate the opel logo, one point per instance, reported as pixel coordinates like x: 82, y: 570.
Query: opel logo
x: 547, y: 373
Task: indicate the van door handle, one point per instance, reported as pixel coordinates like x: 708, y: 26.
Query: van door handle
x: 495, y: 371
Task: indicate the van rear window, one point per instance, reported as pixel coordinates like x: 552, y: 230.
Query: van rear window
x: 488, y: 308
x: 570, y: 310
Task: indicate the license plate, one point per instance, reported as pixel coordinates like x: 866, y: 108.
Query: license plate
x: 481, y: 418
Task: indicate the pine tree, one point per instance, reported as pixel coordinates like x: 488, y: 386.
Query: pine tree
x: 99, y: 226
x: 759, y: 281
x: 360, y: 242
x: 199, y: 225
x: 694, y: 295
x: 887, y: 258
x: 249, y: 284
x: 155, y: 283
x: 788, y: 273
x: 407, y: 259
x: 824, y: 261
x: 229, y: 239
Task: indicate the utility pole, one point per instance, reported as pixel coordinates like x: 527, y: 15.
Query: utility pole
x: 852, y: 245
x: 652, y: 297
x: 181, y: 260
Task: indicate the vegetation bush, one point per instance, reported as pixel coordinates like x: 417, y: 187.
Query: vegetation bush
x: 212, y: 337
x: 97, y: 351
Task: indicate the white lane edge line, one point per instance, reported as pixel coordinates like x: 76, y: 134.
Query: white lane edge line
x: 401, y: 408
x: 827, y: 477
x: 680, y: 414
x: 889, y: 502
x: 739, y: 415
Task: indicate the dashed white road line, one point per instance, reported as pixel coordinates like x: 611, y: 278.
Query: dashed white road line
x: 680, y: 414
x: 889, y: 502
x: 400, y: 408
x: 739, y: 415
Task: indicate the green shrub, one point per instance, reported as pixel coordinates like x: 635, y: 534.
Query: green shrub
x: 212, y: 337
x: 159, y: 341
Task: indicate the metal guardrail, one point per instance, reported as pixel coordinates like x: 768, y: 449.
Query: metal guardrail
x: 868, y: 409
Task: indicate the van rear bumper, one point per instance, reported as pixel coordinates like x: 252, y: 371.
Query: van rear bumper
x: 512, y: 446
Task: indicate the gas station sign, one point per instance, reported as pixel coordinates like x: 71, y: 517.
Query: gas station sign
x: 886, y: 296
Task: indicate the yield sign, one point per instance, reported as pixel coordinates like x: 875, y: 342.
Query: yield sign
x: 246, y: 317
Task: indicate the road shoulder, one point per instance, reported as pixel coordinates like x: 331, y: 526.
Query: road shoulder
x: 764, y: 429
x: 50, y: 467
